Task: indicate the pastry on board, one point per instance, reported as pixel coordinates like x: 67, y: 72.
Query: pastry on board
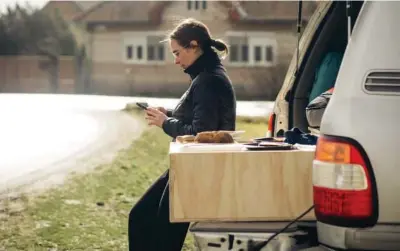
x: 205, y: 137
x: 223, y: 137
x: 214, y: 137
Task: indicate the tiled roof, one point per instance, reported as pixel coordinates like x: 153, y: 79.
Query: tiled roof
x: 120, y: 11
x: 275, y: 10
x: 86, y: 5
x: 150, y: 10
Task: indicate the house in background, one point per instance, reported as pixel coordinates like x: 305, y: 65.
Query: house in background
x: 122, y: 41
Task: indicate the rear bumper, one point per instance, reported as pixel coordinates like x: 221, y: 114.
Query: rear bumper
x: 236, y: 236
x: 380, y: 237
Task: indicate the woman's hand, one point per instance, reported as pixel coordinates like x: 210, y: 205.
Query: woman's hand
x: 155, y: 116
x: 162, y: 109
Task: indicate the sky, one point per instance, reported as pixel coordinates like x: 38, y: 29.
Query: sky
x: 33, y: 3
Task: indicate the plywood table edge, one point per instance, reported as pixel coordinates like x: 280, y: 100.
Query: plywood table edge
x: 255, y: 219
x: 241, y: 152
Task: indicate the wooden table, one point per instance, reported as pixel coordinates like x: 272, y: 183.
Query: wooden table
x: 237, y: 185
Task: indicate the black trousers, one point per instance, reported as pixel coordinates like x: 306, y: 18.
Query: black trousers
x: 149, y: 228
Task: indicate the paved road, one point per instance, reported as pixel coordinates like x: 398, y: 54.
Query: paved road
x: 43, y: 137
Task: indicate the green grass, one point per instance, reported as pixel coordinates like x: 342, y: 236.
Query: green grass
x: 90, y: 212
x: 253, y: 127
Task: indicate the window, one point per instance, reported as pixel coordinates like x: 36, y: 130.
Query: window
x: 144, y: 48
x: 134, y: 53
x: 239, y: 49
x: 129, y: 52
x: 139, y: 52
x: 155, y: 49
x: 245, y: 53
x: 234, y: 53
x: 150, y: 52
x: 251, y: 48
x: 263, y: 54
x: 195, y: 4
x: 269, y: 54
x: 257, y: 53
x: 161, y: 53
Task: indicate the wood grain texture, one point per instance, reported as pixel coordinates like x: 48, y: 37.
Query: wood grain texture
x: 240, y: 186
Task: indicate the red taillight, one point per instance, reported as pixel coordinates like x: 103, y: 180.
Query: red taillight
x: 333, y: 202
x: 342, y: 182
x: 271, y: 125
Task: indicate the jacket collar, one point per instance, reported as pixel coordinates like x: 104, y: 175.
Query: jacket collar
x: 209, y: 59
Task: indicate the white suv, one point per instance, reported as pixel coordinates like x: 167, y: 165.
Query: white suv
x: 356, y: 169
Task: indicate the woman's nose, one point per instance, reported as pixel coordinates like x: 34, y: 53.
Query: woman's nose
x: 177, y: 61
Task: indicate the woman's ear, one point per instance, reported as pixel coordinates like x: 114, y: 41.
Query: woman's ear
x: 194, y: 44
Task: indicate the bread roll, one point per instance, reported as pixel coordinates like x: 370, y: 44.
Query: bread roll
x: 214, y: 137
x: 223, y: 137
x: 205, y: 137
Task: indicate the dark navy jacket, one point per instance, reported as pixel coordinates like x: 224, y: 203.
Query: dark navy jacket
x: 210, y: 102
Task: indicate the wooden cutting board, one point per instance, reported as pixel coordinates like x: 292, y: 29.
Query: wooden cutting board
x: 240, y: 185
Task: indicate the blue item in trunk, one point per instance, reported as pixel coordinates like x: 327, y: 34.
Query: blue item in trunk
x: 296, y: 136
x: 326, y: 74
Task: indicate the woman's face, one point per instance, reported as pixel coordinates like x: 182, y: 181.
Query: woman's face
x: 184, y: 56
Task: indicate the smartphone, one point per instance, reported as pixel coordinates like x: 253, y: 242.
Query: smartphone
x: 142, y: 105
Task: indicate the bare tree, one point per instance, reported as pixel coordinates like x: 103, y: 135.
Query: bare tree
x: 28, y: 31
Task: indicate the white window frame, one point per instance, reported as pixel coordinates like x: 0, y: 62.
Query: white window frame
x: 238, y: 63
x: 262, y: 39
x: 136, y: 39
x: 193, y: 5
